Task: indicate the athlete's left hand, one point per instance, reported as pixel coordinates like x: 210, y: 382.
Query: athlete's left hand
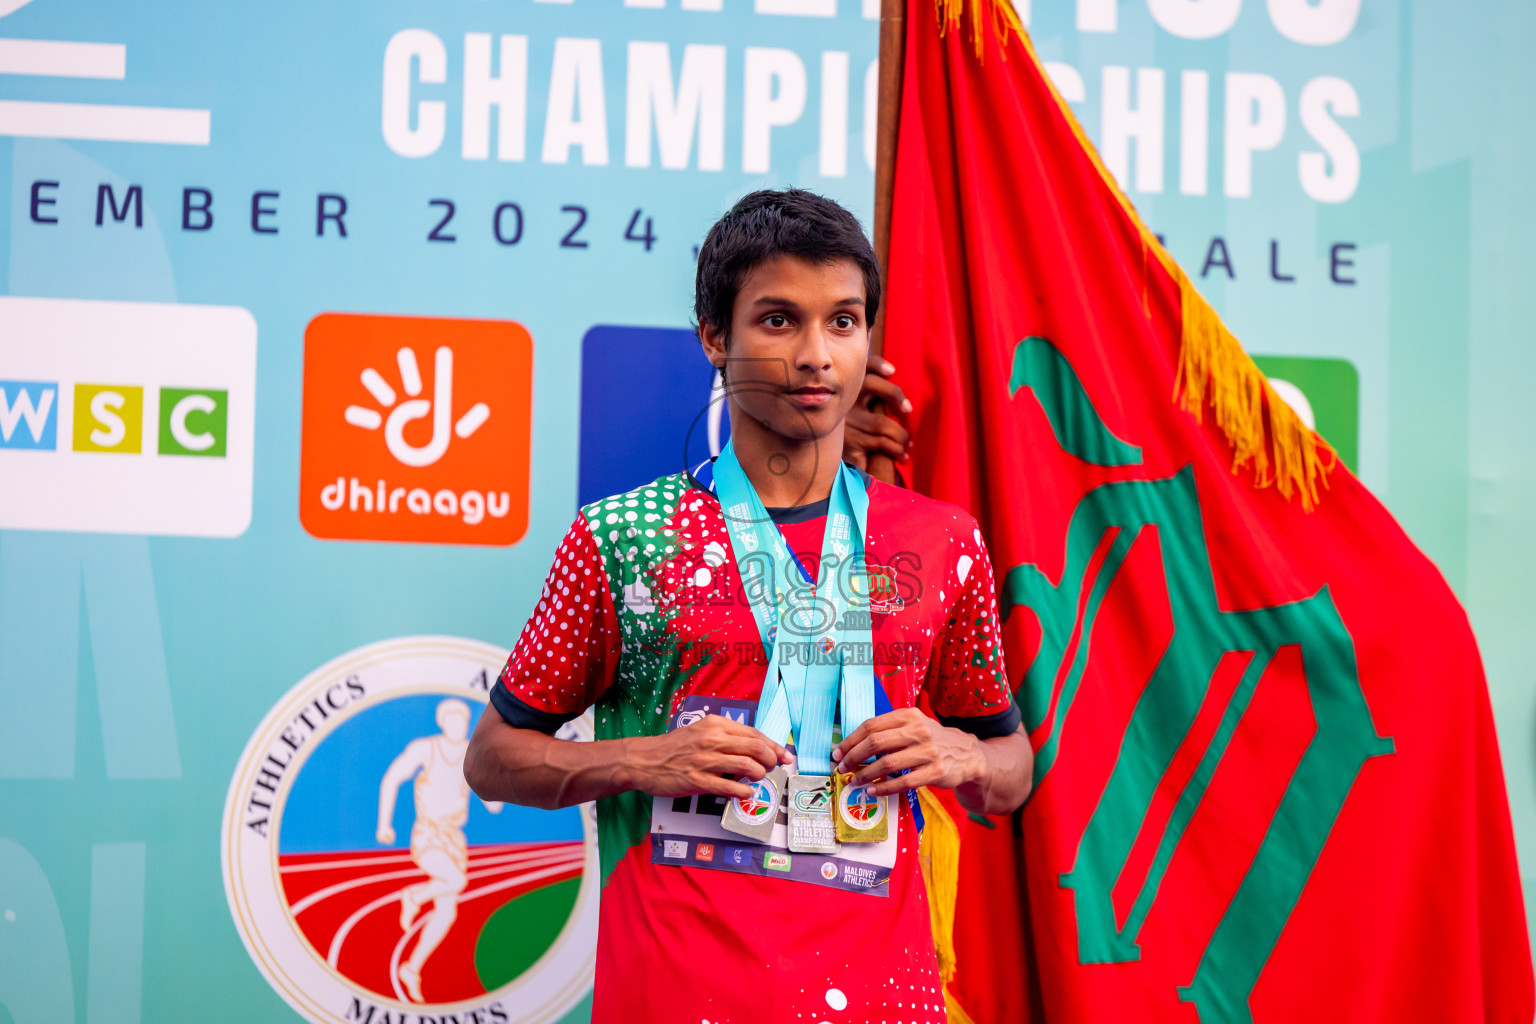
x: 907, y: 738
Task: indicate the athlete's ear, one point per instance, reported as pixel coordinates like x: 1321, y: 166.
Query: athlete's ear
x: 713, y: 340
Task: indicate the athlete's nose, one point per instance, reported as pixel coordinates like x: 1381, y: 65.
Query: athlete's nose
x: 815, y: 353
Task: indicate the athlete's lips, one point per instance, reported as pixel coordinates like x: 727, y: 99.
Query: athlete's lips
x: 812, y: 396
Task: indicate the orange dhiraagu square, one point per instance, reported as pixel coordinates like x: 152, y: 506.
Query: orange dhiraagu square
x: 416, y: 429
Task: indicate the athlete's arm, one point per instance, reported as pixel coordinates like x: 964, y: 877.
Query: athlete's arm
x: 990, y: 776
x: 411, y: 760
x: 975, y: 744
x: 526, y: 766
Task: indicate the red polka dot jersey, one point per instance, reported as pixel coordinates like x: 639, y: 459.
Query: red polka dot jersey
x: 642, y: 608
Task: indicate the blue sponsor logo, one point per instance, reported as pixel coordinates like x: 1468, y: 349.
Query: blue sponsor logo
x: 29, y: 414
x: 738, y: 855
x: 646, y: 408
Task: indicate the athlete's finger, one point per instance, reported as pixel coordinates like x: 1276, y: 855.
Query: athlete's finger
x: 740, y: 732
x: 876, y: 432
x: 733, y: 764
x: 889, y: 427
x: 863, y: 442
x: 907, y: 757
x: 884, y: 734
x: 759, y: 750
x: 888, y: 391
x: 859, y: 734
x: 891, y: 439
x: 719, y: 786
x: 925, y: 776
x: 850, y: 741
x: 873, y: 746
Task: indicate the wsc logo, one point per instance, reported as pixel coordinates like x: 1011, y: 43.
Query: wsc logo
x: 167, y: 392
x: 364, y: 877
x: 416, y: 429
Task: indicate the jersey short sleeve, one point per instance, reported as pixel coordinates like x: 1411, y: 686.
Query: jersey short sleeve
x: 569, y: 650
x: 967, y: 683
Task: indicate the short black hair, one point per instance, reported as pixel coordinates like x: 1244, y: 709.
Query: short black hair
x: 777, y: 222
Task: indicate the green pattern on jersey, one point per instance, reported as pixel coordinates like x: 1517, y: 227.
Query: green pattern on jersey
x: 636, y: 538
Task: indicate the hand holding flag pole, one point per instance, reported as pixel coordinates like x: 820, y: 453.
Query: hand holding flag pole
x: 892, y: 51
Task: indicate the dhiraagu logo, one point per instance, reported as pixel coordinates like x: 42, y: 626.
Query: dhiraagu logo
x: 416, y: 429
x: 122, y: 417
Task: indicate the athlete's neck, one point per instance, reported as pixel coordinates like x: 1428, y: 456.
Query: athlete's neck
x: 786, y: 471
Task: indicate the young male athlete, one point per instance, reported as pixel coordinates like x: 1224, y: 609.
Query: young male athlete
x: 690, y: 587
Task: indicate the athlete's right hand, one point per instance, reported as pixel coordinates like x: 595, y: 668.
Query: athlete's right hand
x: 695, y: 758
x: 386, y: 835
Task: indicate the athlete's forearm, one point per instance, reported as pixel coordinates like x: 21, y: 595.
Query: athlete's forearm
x: 1004, y: 775
x: 524, y: 766
x: 527, y: 767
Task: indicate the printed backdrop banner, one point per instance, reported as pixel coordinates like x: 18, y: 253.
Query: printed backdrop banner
x: 319, y: 320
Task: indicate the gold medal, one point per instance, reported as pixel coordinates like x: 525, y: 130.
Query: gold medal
x: 858, y: 815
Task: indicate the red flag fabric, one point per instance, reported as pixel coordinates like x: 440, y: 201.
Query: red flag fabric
x: 1268, y: 786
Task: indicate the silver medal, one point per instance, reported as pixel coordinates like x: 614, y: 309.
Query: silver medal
x: 810, y: 815
x: 754, y: 816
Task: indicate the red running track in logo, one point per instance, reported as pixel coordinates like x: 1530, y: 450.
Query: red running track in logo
x: 347, y: 904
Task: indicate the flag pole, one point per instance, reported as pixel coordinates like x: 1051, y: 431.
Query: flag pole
x: 892, y: 53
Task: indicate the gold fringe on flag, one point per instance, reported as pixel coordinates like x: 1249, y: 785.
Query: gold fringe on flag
x: 938, y: 851
x: 1001, y: 13
x: 1265, y: 433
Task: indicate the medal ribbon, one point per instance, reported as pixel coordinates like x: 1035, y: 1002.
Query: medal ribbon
x: 800, y: 691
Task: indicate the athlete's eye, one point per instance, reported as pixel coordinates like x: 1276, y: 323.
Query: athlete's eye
x: 845, y: 322
x: 776, y: 320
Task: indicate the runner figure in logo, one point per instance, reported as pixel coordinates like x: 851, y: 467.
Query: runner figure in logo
x: 438, y: 845
x: 754, y: 807
x: 859, y: 815
x: 755, y: 816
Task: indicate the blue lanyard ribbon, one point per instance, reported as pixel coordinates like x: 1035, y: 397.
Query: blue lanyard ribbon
x: 811, y: 648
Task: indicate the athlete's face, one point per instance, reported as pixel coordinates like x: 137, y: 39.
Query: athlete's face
x: 798, y: 345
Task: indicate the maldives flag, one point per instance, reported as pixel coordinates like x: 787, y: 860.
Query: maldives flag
x: 1267, y: 784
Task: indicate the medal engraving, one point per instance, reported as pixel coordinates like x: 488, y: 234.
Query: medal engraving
x: 860, y: 816
x: 810, y: 815
x: 754, y: 816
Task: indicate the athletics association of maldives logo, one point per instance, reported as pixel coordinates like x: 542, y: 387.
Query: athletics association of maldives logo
x: 763, y: 801
x: 415, y: 429
x: 861, y: 808
x: 370, y: 886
